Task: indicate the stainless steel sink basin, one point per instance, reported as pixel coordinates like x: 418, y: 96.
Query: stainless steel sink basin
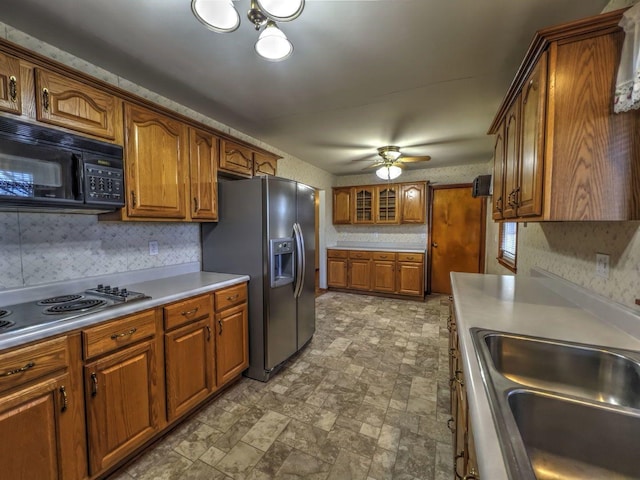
x: 562, y: 410
x: 572, y: 439
x: 578, y: 370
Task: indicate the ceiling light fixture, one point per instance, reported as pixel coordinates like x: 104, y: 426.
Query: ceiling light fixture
x: 390, y: 153
x: 222, y: 17
x: 388, y: 172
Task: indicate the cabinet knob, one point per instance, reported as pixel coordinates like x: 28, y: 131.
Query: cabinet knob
x: 13, y: 88
x: 45, y: 99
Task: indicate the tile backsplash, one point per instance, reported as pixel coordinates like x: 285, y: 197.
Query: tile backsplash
x: 37, y: 248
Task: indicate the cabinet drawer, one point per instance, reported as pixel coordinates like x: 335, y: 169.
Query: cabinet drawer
x: 389, y: 256
x: 337, y: 253
x: 187, y: 311
x: 362, y: 255
x: 113, y: 335
x: 411, y: 257
x: 25, y: 364
x: 230, y: 296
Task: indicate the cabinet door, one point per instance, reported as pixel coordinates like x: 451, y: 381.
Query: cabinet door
x: 363, y: 204
x: 155, y: 161
x: 534, y: 96
x: 67, y: 103
x: 10, y: 84
x: 386, y: 204
x: 342, y: 205
x: 264, y: 164
x: 121, y: 402
x: 411, y: 278
x: 236, y: 159
x: 189, y: 366
x: 384, y: 276
x: 360, y: 274
x: 232, y: 355
x: 498, y: 198
x: 413, y: 203
x: 29, y: 426
x: 337, y: 272
x: 512, y: 156
x: 203, y: 167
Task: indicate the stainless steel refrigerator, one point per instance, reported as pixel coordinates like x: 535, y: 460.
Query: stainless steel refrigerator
x: 266, y: 230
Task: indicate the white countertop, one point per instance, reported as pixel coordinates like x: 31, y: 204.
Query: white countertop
x: 536, y: 306
x: 162, y: 291
x: 379, y: 247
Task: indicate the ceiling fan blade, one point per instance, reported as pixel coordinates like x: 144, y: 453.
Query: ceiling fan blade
x: 415, y: 159
x: 373, y: 165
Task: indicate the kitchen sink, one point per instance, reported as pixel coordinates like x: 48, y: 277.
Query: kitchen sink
x: 562, y: 410
x: 573, y: 369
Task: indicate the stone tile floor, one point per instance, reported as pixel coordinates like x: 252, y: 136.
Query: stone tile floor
x: 366, y: 399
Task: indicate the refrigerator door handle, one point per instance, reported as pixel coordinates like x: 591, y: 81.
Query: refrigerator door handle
x: 300, y: 260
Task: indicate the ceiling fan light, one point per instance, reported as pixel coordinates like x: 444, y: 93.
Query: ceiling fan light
x: 217, y: 15
x: 273, y: 44
x: 389, y: 172
x: 281, y: 10
x: 389, y: 153
x: 393, y: 155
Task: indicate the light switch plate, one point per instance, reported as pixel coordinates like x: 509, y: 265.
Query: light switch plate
x: 153, y: 247
x: 602, y: 265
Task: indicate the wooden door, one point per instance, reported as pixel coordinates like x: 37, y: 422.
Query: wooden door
x: 413, y: 203
x: 156, y: 164
x: 203, y: 166
x: 189, y: 366
x: 10, y: 84
x: 534, y: 96
x: 360, y: 274
x: 498, y: 198
x: 457, y: 234
x: 342, y: 205
x: 363, y: 205
x: 264, y: 164
x: 68, y: 103
x: 232, y: 354
x: 29, y: 427
x: 512, y: 157
x: 236, y: 159
x: 121, y: 402
x: 383, y: 276
x: 387, y: 199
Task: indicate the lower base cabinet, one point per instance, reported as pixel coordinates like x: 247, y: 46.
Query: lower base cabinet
x: 232, y: 333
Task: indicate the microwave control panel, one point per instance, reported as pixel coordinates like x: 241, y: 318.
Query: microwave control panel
x: 103, y: 184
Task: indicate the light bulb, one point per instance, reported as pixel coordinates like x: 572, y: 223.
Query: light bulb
x: 389, y: 172
x: 273, y: 44
x: 217, y: 15
x: 281, y: 10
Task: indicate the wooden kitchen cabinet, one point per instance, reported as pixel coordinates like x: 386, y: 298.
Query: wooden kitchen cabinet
x: 342, y: 207
x: 499, y: 161
x: 413, y: 202
x: 383, y: 268
x: 363, y: 205
x: 156, y: 164
x: 68, y: 103
x: 189, y: 354
x: 264, y: 164
x: 410, y: 274
x: 566, y: 156
x: 203, y: 169
x: 232, y: 346
x: 337, y: 261
x: 359, y: 270
x: 387, y: 200
x: 122, y: 388
x: 235, y: 159
x: 11, y: 84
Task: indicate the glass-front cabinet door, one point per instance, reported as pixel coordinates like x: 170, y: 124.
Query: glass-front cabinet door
x: 387, y: 197
x: 363, y: 205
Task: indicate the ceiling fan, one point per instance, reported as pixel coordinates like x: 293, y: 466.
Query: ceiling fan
x: 391, y: 161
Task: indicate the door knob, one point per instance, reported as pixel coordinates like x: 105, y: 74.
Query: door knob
x: 434, y: 245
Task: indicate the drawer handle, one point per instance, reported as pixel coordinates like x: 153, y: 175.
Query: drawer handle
x: 196, y: 207
x: 190, y: 312
x: 45, y: 99
x: 220, y: 325
x: 94, y: 384
x: 450, y: 425
x: 231, y: 298
x: 208, y: 333
x: 457, y: 379
x: 383, y: 256
x: 13, y: 88
x: 65, y: 399
x: 411, y: 257
x: 116, y: 336
x: 18, y: 370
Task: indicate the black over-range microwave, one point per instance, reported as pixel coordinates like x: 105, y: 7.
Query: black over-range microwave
x: 44, y: 169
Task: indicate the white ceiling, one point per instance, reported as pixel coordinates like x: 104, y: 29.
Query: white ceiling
x: 426, y: 75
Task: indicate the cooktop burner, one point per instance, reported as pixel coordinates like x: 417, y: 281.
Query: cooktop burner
x: 75, y: 306
x: 59, y: 299
x: 5, y: 323
x: 4, y: 313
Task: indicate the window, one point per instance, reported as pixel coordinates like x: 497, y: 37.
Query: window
x: 508, y: 244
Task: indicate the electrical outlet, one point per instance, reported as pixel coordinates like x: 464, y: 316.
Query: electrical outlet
x: 153, y: 247
x: 602, y: 265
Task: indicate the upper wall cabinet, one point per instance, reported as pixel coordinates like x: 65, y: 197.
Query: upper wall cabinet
x: 235, y: 159
x: 10, y: 84
x: 264, y: 164
x: 203, y: 169
x: 388, y: 204
x: 67, y: 103
x: 561, y: 154
x: 156, y: 164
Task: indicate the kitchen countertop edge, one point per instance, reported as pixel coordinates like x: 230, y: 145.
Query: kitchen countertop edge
x: 162, y: 291
x: 376, y: 248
